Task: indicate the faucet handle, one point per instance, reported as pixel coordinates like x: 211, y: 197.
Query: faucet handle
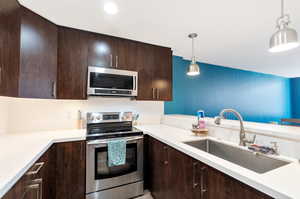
x: 253, y: 139
x: 250, y: 141
x: 275, y: 147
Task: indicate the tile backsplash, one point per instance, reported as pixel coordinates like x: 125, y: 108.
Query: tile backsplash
x: 27, y: 115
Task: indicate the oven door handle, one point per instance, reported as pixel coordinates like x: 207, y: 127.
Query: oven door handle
x: 105, y: 141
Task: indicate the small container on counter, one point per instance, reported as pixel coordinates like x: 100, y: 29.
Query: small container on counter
x: 201, y: 121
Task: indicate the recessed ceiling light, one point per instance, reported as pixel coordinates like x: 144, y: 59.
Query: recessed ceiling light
x: 111, y: 8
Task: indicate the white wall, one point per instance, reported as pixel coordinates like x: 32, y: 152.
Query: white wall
x: 28, y: 115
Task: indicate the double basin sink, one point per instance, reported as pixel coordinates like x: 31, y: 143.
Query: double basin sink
x: 254, y: 161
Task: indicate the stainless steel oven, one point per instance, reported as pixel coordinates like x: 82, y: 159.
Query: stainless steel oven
x: 117, y: 182
x: 111, y: 82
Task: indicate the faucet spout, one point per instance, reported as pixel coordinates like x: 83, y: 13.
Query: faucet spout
x: 221, y: 116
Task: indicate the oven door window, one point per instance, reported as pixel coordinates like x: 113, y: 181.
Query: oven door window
x: 111, y: 81
x: 103, y: 171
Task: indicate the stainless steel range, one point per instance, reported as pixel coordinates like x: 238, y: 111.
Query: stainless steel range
x: 117, y: 182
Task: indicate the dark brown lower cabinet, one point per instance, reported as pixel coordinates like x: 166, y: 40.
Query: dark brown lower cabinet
x: 58, y: 174
x: 70, y: 170
x: 38, y: 181
x: 157, y: 171
x: 174, y: 175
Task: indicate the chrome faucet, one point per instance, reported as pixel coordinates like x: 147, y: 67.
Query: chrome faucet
x: 243, y: 139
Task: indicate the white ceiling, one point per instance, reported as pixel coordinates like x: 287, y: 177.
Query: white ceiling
x: 233, y: 33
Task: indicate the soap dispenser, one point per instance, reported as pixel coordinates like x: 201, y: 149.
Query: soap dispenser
x: 201, y: 120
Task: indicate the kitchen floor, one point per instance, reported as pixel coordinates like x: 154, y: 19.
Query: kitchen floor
x: 147, y: 195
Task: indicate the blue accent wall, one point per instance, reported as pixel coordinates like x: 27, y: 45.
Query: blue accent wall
x: 295, y: 90
x: 258, y: 97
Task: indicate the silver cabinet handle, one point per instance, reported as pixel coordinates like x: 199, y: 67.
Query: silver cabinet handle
x: 53, y: 89
x: 203, y: 187
x: 157, y: 93
x: 153, y: 93
x: 37, y: 167
x: 111, y: 60
x: 195, y: 184
x: 117, y: 61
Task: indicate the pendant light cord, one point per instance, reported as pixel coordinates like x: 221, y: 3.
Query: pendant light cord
x: 282, y: 8
x: 284, y: 19
x: 193, y: 49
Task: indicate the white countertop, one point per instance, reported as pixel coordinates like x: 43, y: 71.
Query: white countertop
x: 280, y: 183
x: 20, y: 151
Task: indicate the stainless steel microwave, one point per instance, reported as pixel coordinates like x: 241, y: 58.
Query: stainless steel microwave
x: 111, y: 82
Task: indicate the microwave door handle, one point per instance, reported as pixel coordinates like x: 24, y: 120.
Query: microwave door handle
x: 135, y: 82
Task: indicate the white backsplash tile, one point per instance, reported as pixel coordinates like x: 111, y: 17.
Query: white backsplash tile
x: 28, y: 115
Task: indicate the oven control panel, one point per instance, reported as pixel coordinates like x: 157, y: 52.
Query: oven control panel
x: 104, y: 117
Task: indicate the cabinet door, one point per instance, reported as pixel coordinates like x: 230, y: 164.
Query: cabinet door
x: 101, y: 51
x: 162, y: 80
x: 10, y: 47
x: 18, y: 190
x: 237, y: 190
x: 222, y: 186
x: 72, y: 63
x: 145, y: 63
x: 38, y: 66
x: 48, y: 173
x: 40, y: 183
x: 70, y: 170
x: 184, y: 176
x: 158, y: 169
x: 217, y: 187
x: 126, y: 54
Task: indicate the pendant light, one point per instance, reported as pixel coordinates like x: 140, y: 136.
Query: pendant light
x: 285, y: 38
x: 193, y: 68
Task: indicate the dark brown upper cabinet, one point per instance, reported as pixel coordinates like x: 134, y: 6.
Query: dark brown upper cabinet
x: 101, y: 51
x: 145, y: 64
x: 162, y: 79
x: 155, y: 73
x: 9, y: 47
x: 72, y: 63
x: 39, y: 59
x: 126, y: 54
x: 112, y: 52
x: 28, y: 53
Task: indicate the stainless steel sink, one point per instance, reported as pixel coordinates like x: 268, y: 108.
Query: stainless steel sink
x: 255, y: 162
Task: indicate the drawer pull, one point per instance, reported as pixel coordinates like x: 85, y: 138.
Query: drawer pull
x: 37, y: 167
x: 36, y: 185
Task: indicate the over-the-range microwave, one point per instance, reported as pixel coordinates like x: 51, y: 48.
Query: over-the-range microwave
x: 111, y: 82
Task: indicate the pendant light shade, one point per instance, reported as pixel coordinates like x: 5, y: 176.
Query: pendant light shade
x: 285, y: 38
x: 193, y: 68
